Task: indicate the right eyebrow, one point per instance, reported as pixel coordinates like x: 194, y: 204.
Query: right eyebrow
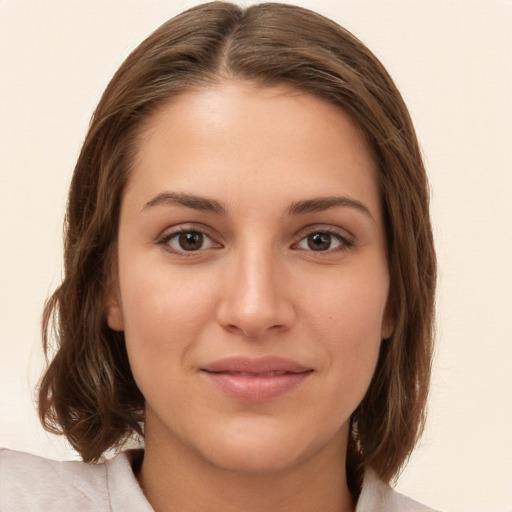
x: 319, y: 204
x: 187, y: 200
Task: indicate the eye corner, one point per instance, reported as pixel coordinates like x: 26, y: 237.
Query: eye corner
x: 323, y: 241
x: 187, y: 241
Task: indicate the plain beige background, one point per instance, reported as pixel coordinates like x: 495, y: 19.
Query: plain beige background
x: 452, y: 59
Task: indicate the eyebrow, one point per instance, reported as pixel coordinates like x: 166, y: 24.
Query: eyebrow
x: 317, y: 204
x: 187, y: 200
x: 320, y: 204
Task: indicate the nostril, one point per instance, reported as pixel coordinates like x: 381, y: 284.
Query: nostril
x: 253, y: 331
x: 252, y: 303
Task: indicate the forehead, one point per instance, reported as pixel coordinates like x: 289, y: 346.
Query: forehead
x: 247, y: 108
x: 243, y: 135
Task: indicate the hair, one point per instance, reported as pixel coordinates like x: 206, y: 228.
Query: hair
x: 88, y: 392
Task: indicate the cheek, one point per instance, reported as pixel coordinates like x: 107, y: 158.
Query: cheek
x: 164, y: 314
x: 160, y: 299
x: 345, y: 316
x: 349, y: 304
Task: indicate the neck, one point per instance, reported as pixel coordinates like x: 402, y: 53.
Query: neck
x: 174, y: 478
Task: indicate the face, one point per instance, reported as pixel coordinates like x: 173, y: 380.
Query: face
x: 252, y: 276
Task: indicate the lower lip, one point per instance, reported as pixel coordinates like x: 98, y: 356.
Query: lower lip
x: 256, y: 389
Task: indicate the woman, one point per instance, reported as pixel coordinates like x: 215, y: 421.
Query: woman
x: 249, y: 279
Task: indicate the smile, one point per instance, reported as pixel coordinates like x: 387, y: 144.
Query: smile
x: 265, y: 374
x: 256, y: 380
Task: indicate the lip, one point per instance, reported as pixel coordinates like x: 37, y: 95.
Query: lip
x: 255, y: 380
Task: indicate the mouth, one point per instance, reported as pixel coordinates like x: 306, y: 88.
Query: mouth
x: 255, y: 380
x: 255, y: 374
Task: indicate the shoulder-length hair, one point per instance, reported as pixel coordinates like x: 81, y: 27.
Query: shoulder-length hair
x: 88, y: 392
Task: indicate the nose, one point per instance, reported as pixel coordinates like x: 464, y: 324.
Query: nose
x: 256, y: 296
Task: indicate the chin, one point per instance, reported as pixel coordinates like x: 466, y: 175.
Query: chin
x: 266, y: 450
x: 260, y: 458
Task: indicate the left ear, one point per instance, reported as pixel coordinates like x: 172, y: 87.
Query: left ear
x: 388, y: 321
x: 112, y: 308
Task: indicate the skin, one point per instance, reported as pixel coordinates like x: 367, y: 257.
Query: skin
x: 253, y: 288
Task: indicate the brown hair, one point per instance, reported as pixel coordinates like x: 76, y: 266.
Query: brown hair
x: 88, y: 392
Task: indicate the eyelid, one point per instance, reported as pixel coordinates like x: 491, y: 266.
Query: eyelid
x: 174, y: 231
x: 345, y: 238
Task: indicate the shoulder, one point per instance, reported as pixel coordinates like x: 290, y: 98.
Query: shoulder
x: 33, y: 484
x: 377, y: 496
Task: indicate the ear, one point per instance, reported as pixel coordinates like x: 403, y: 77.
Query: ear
x: 388, y: 321
x: 113, y: 309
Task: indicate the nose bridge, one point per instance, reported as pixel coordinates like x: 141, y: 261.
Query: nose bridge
x: 254, y: 299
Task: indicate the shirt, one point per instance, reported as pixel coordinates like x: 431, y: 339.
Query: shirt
x: 29, y: 483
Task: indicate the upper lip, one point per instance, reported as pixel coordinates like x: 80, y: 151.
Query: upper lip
x: 265, y: 364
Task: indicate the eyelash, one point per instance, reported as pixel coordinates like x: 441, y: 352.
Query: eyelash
x: 344, y: 242
x: 167, y: 237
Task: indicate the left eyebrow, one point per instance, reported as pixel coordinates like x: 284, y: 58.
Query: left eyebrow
x: 320, y: 204
x: 187, y: 200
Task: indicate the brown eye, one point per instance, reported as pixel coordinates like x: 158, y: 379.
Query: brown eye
x: 190, y: 241
x: 321, y: 241
x: 187, y: 241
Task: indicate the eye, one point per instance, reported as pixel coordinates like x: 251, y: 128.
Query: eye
x: 322, y: 241
x: 187, y: 241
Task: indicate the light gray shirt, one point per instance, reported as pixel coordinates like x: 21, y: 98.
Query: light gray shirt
x: 29, y: 483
